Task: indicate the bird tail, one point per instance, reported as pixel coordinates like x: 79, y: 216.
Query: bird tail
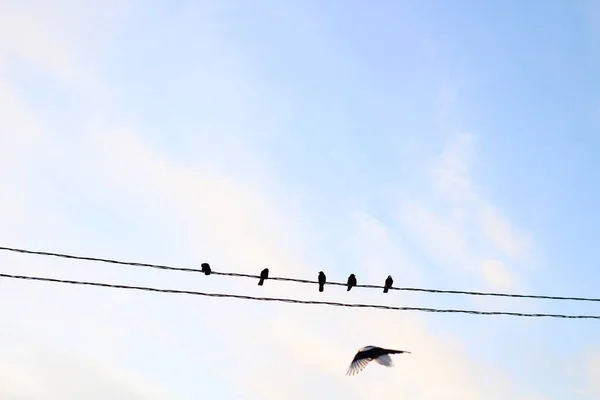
x: 390, y: 351
x: 385, y: 290
x: 261, y: 281
x: 320, y: 288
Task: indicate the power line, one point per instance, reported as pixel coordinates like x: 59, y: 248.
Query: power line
x: 305, y: 281
x: 295, y: 301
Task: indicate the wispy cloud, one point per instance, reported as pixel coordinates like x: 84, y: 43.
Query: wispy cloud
x: 451, y: 171
x: 593, y: 371
x: 242, y: 230
x: 459, y: 226
x: 32, y: 370
x: 501, y: 233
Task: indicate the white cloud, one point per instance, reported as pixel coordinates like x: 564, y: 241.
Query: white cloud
x: 451, y: 171
x: 593, y: 372
x: 501, y: 233
x: 460, y: 226
x: 243, y: 229
x: 441, y: 236
x: 23, y: 36
x: 498, y: 275
x: 380, y: 253
x: 32, y: 370
x: 453, y: 377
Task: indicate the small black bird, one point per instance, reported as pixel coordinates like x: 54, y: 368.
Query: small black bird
x: 351, y: 282
x: 322, y: 279
x: 205, y: 268
x: 370, y: 353
x: 388, y: 284
x: 263, y: 275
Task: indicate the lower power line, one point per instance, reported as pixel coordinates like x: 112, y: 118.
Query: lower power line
x: 283, y: 300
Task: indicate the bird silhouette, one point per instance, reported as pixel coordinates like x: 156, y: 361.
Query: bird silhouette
x: 322, y: 279
x: 369, y: 353
x: 205, y: 268
x: 351, y: 282
x: 264, y: 274
x: 388, y: 284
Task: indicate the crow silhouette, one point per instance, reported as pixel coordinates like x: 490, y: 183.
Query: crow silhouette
x: 205, y: 268
x: 388, y: 284
x: 322, y: 279
x: 351, y: 282
x: 369, y: 353
x: 264, y: 274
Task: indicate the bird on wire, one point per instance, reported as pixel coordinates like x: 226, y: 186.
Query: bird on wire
x: 351, y: 282
x: 264, y: 274
x: 322, y: 280
x: 206, y: 268
x: 369, y: 353
x: 388, y: 284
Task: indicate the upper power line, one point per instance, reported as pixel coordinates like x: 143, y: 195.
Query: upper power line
x: 295, y: 301
x: 206, y: 269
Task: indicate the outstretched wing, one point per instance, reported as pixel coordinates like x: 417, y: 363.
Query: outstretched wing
x: 385, y: 360
x: 357, y: 366
x: 358, y: 363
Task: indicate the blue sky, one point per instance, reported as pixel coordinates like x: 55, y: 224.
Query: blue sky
x: 451, y: 145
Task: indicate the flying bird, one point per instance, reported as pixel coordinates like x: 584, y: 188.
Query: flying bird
x: 388, y: 284
x: 264, y: 274
x: 351, y: 282
x: 205, y: 268
x: 322, y: 279
x: 370, y: 353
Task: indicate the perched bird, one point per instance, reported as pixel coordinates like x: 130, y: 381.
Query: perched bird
x: 263, y: 275
x: 322, y: 279
x: 388, y: 284
x: 205, y: 268
x: 370, y: 353
x: 351, y: 282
